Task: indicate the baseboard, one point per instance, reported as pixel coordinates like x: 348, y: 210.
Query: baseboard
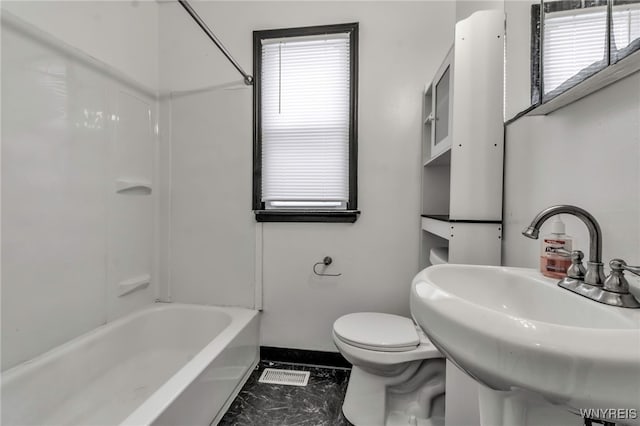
x: 303, y: 356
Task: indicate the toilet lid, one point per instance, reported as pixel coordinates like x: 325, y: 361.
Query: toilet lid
x: 377, y: 331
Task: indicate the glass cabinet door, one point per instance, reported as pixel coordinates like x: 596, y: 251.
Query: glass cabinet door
x: 442, y: 86
x: 442, y: 108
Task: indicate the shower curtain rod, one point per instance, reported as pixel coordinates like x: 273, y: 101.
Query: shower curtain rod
x: 248, y: 79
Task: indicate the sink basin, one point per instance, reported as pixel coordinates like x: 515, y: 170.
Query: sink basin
x: 513, y: 329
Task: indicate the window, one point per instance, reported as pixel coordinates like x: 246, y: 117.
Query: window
x: 625, y: 28
x: 574, y: 46
x: 305, y: 124
x: 575, y: 39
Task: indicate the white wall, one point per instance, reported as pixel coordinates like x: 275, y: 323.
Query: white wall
x: 586, y: 154
x: 70, y: 128
x: 212, y: 226
x: 401, y: 46
x: 123, y: 34
x: 517, y: 84
x: 464, y: 8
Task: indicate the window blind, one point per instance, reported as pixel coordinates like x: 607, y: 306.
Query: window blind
x: 305, y: 99
x: 573, y: 41
x: 626, y: 25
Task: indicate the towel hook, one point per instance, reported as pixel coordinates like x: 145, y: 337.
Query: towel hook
x: 326, y: 262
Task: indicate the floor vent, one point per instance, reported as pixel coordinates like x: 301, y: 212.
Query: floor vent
x: 284, y: 377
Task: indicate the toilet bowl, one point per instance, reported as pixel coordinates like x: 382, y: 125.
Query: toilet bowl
x: 398, y: 376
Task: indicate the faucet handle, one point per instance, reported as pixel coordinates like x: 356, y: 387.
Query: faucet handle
x: 577, y: 269
x: 619, y: 264
x: 616, y: 282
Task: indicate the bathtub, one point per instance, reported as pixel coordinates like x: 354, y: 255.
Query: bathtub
x: 169, y: 364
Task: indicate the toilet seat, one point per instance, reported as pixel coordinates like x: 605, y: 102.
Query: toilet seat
x: 377, y: 332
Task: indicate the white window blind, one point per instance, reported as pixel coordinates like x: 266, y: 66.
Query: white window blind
x: 305, y: 99
x: 626, y: 25
x: 574, y: 40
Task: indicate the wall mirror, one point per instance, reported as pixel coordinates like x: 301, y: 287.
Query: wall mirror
x: 558, y: 51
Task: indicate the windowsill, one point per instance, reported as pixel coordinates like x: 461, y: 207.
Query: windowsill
x: 612, y: 73
x: 624, y: 62
x: 326, y: 216
x: 609, y: 75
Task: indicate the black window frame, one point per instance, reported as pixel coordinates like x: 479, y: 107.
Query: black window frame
x: 351, y: 213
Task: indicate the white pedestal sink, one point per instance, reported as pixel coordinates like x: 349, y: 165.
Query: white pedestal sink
x: 524, y: 338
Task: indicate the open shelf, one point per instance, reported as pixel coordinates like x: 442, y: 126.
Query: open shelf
x: 439, y: 255
x: 473, y: 242
x: 439, y: 227
x: 442, y: 217
x: 442, y: 159
x: 447, y: 218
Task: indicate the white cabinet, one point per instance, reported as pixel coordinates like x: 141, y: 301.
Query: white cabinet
x: 462, y: 145
x: 462, y: 153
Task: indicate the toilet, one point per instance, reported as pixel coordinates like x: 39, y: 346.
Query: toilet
x: 398, y: 376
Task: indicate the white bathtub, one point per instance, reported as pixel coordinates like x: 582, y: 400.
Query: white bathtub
x: 170, y: 364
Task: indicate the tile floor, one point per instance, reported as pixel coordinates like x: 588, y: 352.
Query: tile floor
x: 318, y: 403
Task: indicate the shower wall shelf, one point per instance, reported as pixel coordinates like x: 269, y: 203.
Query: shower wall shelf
x: 140, y: 187
x: 130, y: 285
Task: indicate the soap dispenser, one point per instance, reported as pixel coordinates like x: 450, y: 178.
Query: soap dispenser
x: 554, y: 256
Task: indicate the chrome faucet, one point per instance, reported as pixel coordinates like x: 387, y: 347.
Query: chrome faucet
x: 589, y: 282
x: 595, y: 271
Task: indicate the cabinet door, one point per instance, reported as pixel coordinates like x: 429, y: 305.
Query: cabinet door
x: 442, y: 88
